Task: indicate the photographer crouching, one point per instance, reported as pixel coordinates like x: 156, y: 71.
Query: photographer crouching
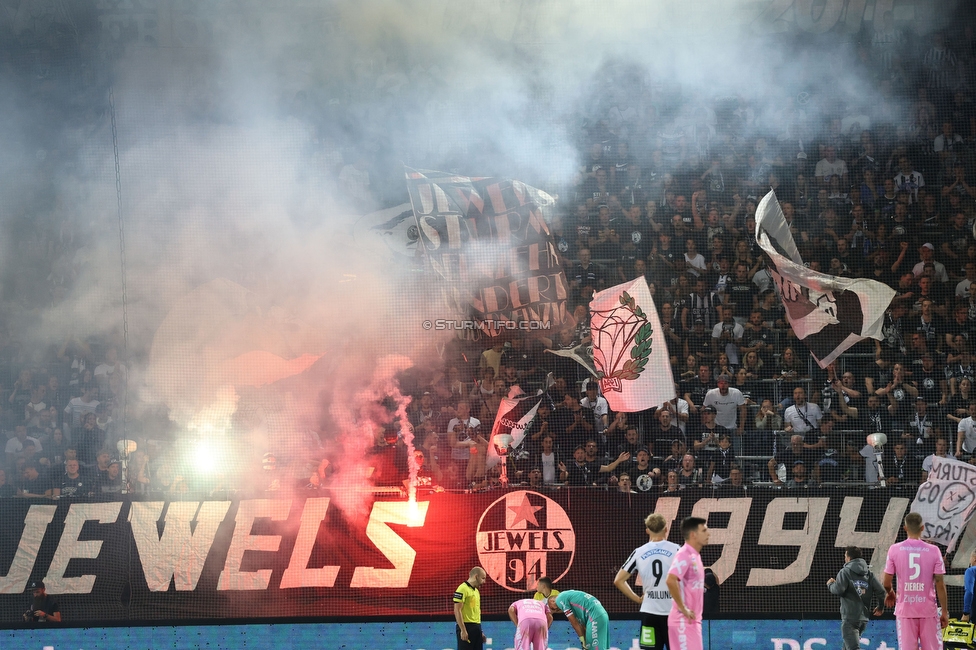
x: 43, y: 609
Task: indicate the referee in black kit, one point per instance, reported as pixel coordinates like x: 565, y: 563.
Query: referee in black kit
x: 467, y: 611
x: 43, y: 609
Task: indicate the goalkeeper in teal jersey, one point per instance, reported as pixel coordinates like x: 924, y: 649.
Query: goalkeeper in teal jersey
x: 586, y: 615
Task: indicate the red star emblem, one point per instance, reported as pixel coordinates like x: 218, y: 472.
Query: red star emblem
x: 524, y: 512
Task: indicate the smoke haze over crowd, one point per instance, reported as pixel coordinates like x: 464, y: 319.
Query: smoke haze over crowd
x: 232, y: 120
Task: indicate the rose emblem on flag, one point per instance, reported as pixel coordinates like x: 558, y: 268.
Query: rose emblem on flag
x: 621, y: 343
x: 524, y: 536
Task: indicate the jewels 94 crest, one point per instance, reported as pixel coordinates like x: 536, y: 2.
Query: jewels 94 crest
x: 524, y: 536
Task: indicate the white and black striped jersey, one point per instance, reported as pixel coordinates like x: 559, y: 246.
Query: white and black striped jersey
x: 652, y: 562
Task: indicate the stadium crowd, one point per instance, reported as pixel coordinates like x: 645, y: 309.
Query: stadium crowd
x: 881, y: 186
x: 871, y: 189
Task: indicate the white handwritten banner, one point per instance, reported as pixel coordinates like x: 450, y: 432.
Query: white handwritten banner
x: 946, y: 501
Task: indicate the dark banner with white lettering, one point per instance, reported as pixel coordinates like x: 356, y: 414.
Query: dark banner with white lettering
x: 340, y: 556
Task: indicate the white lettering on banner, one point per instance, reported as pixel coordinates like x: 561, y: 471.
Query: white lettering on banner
x: 298, y: 574
x: 794, y: 644
x: 35, y: 525
x: 179, y: 553
x: 667, y: 507
x: 729, y: 537
x: 773, y: 534
x: 879, y: 541
x: 70, y: 547
x: 390, y: 544
x: 232, y: 578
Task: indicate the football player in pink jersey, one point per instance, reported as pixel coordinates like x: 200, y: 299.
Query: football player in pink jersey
x: 532, y: 620
x: 919, y: 568
x: 686, y: 582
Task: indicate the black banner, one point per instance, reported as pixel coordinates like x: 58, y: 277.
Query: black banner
x: 487, y: 238
x: 307, y: 556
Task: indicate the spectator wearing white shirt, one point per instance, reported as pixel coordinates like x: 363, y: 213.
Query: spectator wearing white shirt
x: 962, y: 289
x: 941, y: 451
x: 804, y: 418
x: 966, y: 433
x: 78, y: 406
x: 598, y: 404
x: 35, y: 406
x: 694, y: 260
x: 109, y: 372
x: 927, y: 253
x: 468, y: 445
x: 680, y: 412
x: 726, y: 336
x: 946, y: 141
x: 907, y: 179
x: 730, y: 406
x: 831, y: 165
x: 20, y: 440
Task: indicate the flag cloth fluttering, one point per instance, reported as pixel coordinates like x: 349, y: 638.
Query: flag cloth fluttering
x: 828, y: 313
x: 515, y: 414
x: 488, y: 239
x: 629, y: 350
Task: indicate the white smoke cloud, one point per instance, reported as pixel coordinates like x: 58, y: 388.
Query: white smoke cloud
x: 230, y: 121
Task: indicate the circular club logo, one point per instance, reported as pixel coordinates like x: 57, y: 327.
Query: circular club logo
x: 524, y: 536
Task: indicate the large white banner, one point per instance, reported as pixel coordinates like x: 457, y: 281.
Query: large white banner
x: 946, y: 501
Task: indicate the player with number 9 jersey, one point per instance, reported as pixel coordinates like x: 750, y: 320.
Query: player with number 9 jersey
x: 651, y: 562
x: 916, y: 568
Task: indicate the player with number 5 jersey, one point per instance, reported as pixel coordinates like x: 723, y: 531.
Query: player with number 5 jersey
x: 918, y: 568
x: 651, y: 562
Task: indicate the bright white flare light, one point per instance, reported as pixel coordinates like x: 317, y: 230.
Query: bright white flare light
x: 414, y: 514
x: 204, y: 457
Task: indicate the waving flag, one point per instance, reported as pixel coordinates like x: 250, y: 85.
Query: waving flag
x: 828, y: 313
x: 515, y: 414
x: 488, y: 239
x: 946, y: 501
x: 629, y: 351
x: 581, y: 354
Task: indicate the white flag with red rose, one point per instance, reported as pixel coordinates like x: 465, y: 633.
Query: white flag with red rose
x: 629, y: 351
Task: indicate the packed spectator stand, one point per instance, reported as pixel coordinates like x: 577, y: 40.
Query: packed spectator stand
x: 668, y: 191
x: 870, y: 191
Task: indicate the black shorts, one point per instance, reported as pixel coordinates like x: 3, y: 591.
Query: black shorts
x: 654, y: 632
x: 474, y: 641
